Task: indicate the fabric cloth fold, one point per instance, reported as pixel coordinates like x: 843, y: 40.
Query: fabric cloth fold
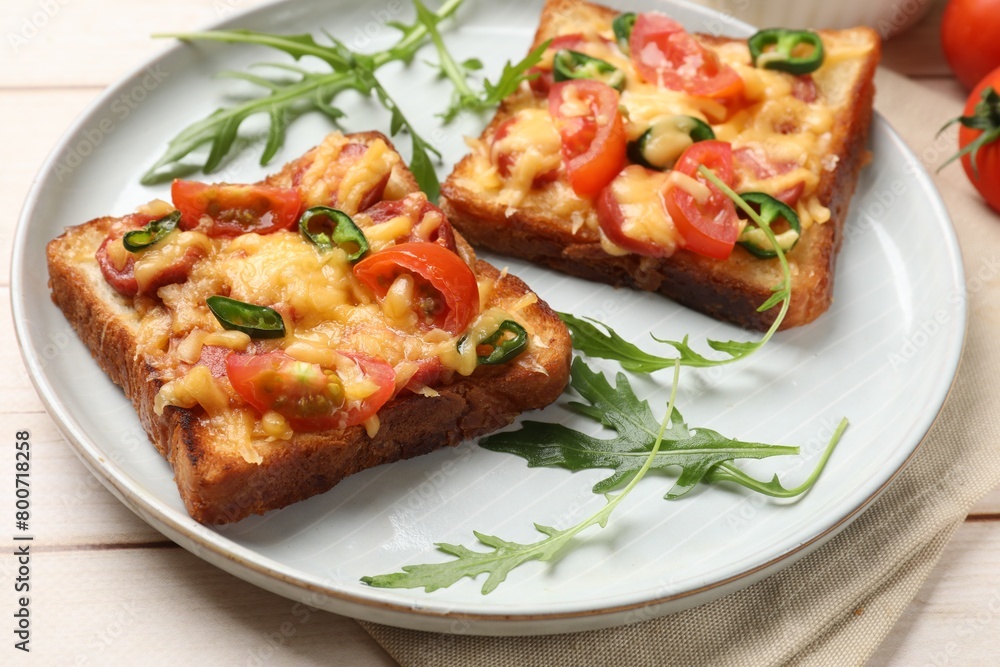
x: 836, y: 605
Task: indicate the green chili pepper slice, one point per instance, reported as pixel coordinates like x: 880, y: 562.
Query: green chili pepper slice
x: 783, y: 57
x: 509, y: 340
x: 568, y: 65
x: 771, y: 209
x: 656, y: 149
x: 337, y: 230
x: 622, y: 25
x: 152, y: 233
x: 255, y: 321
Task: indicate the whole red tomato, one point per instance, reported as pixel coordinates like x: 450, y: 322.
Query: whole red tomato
x: 970, y: 35
x: 979, y: 138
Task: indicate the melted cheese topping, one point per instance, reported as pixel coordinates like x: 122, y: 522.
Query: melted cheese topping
x: 345, y: 181
x: 638, y: 193
x: 325, y: 310
x: 536, y: 148
x: 790, y: 135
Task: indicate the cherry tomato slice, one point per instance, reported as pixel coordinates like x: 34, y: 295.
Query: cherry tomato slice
x: 308, y: 396
x: 446, y: 294
x: 664, y: 54
x: 708, y: 227
x: 592, y: 131
x: 235, y: 209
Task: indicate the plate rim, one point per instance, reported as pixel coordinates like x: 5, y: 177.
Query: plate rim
x: 219, y: 550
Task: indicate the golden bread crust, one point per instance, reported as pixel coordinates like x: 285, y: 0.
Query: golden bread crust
x: 215, y: 482
x: 729, y: 290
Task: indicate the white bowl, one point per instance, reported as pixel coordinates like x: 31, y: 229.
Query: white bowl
x: 887, y: 17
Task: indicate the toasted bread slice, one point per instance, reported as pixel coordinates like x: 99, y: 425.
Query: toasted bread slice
x: 224, y: 469
x: 546, y: 222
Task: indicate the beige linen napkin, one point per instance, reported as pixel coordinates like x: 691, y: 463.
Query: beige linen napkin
x: 837, y: 604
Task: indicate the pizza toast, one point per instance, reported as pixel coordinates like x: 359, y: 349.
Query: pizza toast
x: 397, y: 376
x: 800, y: 138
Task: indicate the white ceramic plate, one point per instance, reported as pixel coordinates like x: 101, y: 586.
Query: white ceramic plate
x: 884, y: 357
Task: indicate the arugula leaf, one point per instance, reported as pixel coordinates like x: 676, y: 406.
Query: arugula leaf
x: 725, y: 472
x: 696, y: 451
x: 297, y: 46
x: 287, y: 100
x: 464, y: 97
x: 219, y: 130
x: 503, y: 555
x: 607, y: 344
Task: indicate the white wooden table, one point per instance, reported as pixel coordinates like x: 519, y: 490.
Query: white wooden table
x: 108, y: 589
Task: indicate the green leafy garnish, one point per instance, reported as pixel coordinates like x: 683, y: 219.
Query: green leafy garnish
x: 503, y: 556
x: 607, y: 344
x: 289, y: 98
x: 695, y: 451
x: 465, y: 98
x: 642, y: 444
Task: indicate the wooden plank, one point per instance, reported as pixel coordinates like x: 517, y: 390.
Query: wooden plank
x: 42, y: 36
x: 988, y: 507
x: 69, y: 505
x: 917, y: 52
x: 955, y: 617
x: 126, y: 606
x: 47, y: 113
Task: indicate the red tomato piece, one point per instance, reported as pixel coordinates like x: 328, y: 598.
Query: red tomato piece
x: 708, y: 227
x: 664, y: 54
x: 746, y: 160
x: 986, y: 176
x: 506, y: 160
x: 308, y: 396
x: 969, y: 30
x: 446, y: 293
x: 417, y: 208
x: 235, y: 209
x: 593, y: 143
